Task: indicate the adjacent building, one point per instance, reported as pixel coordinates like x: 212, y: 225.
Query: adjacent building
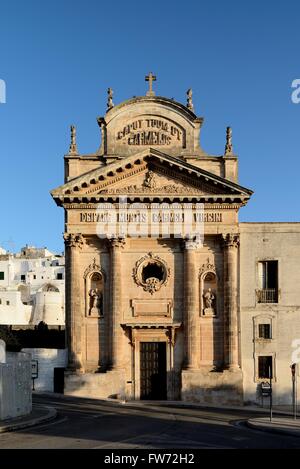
x: 32, y: 287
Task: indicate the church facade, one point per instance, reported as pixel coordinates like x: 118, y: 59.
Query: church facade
x: 168, y: 296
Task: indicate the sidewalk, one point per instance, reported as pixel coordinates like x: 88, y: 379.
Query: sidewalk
x: 39, y: 414
x: 283, y: 425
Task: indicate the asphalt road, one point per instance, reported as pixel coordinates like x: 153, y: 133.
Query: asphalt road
x: 87, y: 423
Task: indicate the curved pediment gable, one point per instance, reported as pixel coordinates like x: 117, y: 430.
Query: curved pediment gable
x: 150, y: 173
x: 150, y: 121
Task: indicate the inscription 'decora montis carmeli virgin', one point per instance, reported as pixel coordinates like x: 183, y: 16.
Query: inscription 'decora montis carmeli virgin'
x: 150, y: 132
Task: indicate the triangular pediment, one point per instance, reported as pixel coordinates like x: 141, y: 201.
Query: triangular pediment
x: 149, y: 173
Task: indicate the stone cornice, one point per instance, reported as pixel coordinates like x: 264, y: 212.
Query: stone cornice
x: 94, y: 206
x: 90, y: 182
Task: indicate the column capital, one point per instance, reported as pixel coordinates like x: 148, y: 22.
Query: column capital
x: 190, y: 244
x: 74, y: 240
x: 231, y: 240
x: 117, y: 242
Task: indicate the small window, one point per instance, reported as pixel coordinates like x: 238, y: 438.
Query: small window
x: 1, y: 275
x: 265, y: 367
x: 264, y: 331
x: 34, y: 277
x: 268, y: 282
x: 7, y: 303
x: 23, y: 277
x: 59, y: 276
x: 42, y: 277
x: 0, y: 301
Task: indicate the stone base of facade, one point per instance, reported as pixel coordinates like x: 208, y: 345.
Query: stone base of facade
x: 95, y: 385
x: 202, y: 386
x: 211, y: 387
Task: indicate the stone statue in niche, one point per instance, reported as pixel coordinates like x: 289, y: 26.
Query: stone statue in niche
x: 209, y: 299
x: 96, y: 302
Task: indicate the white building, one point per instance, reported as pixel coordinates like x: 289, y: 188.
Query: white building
x: 32, y: 287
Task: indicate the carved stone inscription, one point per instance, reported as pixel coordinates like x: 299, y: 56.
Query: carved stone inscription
x: 151, y: 132
x: 140, y: 216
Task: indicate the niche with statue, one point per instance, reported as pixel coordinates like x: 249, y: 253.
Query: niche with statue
x: 94, y: 290
x: 208, y: 290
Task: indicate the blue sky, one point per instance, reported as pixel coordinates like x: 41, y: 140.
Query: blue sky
x: 58, y: 58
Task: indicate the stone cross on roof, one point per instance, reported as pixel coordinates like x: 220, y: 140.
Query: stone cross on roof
x: 150, y: 78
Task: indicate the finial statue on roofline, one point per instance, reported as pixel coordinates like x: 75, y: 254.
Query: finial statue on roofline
x: 189, y: 101
x: 110, y: 103
x: 228, y: 146
x: 73, y: 145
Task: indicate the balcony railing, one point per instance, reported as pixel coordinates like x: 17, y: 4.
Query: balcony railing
x: 267, y: 295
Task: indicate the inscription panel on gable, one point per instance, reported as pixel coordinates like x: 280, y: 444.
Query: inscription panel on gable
x: 150, y: 131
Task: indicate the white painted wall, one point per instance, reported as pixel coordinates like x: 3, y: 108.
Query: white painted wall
x: 33, y: 276
x: 12, y: 310
x: 48, y: 359
x: 15, y: 386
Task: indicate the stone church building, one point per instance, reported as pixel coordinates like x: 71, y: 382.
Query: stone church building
x: 158, y: 311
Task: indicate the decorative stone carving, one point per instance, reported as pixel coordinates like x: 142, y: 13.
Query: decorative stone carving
x: 208, y: 267
x: 192, y: 243
x: 151, y: 284
x: 94, y: 267
x: 73, y: 145
x: 150, y: 181
x: 117, y: 242
x: 190, y: 104
x: 231, y: 240
x: 110, y: 103
x: 168, y: 189
x: 74, y: 240
x: 228, y: 147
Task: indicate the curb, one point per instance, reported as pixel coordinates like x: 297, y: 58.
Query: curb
x: 280, y: 431
x: 51, y: 415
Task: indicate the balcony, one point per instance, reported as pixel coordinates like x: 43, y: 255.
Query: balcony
x: 267, y: 295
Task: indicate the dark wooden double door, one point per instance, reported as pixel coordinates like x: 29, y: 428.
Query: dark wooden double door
x: 153, y: 370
